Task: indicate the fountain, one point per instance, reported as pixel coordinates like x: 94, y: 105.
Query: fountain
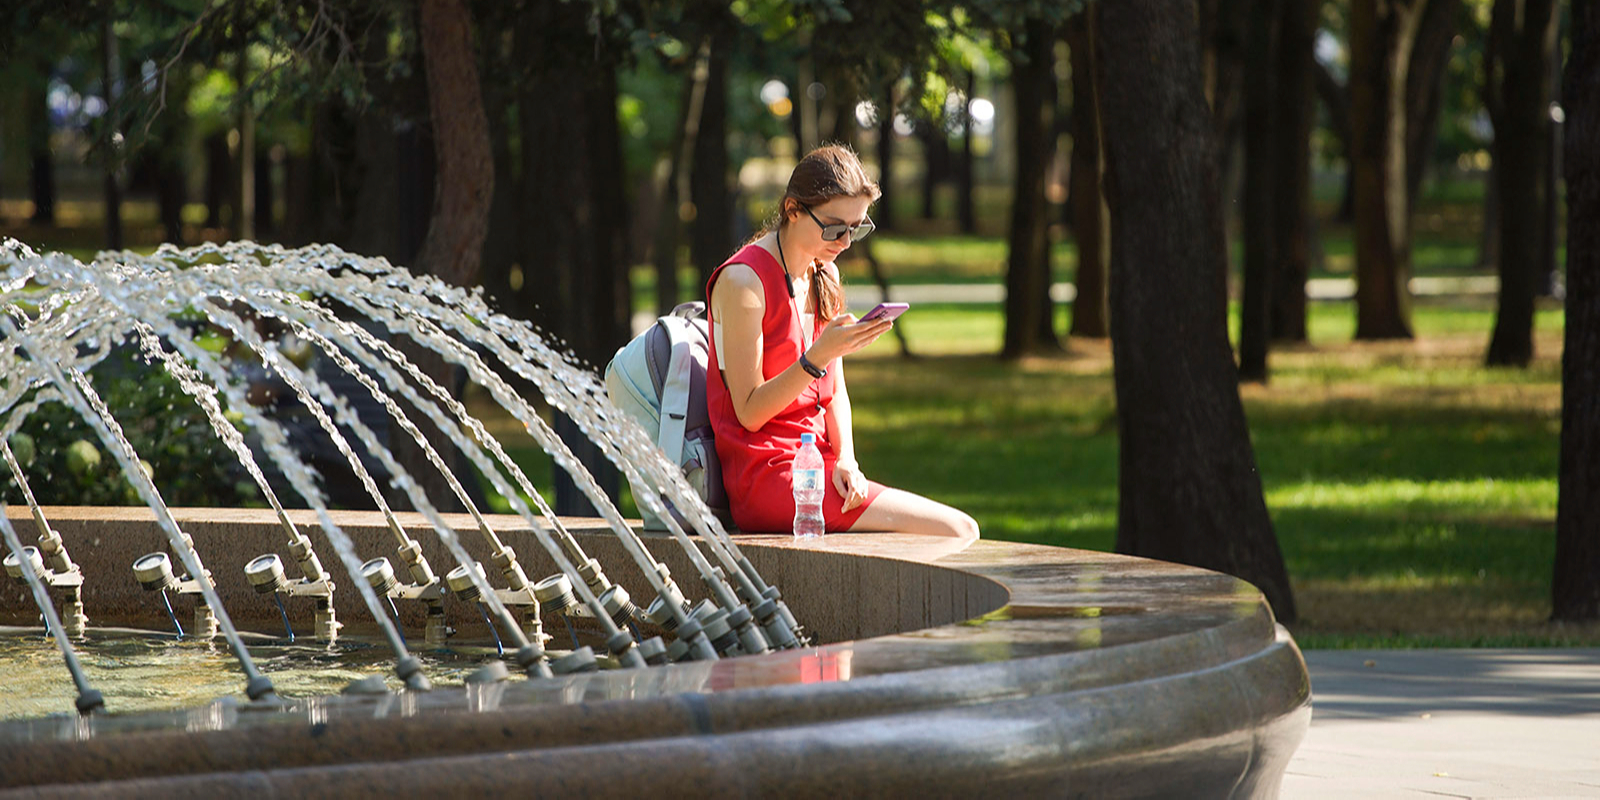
x: 1001, y: 666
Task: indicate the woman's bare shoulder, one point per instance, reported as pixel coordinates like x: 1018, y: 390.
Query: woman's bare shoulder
x: 738, y: 285
x: 740, y: 275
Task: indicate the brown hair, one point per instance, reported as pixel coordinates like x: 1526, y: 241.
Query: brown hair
x: 830, y: 171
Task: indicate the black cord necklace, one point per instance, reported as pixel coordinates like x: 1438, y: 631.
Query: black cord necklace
x: 788, y: 279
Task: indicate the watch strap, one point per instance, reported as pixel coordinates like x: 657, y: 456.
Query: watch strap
x: 812, y: 369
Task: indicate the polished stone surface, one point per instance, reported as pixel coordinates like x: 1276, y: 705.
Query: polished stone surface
x: 1002, y: 668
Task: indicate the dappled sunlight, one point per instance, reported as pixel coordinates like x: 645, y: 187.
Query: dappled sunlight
x: 1383, y: 496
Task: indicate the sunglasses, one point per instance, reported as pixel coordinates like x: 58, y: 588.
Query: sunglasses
x: 831, y: 233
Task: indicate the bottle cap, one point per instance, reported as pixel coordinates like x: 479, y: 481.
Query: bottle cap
x: 808, y: 438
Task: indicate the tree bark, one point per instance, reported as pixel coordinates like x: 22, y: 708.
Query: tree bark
x: 1425, y: 88
x: 1189, y: 489
x: 1489, y: 241
x: 244, y: 161
x: 1260, y: 206
x: 936, y: 161
x: 1091, y: 313
x: 463, y: 181
x: 265, y: 226
x: 1521, y: 36
x: 711, y: 230
x: 218, y: 178
x: 1225, y: 41
x: 501, y: 269
x: 571, y: 202
x: 1335, y: 98
x: 464, y: 172
x: 170, y: 191
x: 1381, y: 39
x: 883, y: 212
x: 1293, y: 117
x: 1575, y: 589
x: 1549, y: 280
x: 42, y: 168
x: 111, y: 75
x: 966, y: 213
x: 1028, y: 324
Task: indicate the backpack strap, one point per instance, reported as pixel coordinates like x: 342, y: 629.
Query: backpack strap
x: 675, y: 389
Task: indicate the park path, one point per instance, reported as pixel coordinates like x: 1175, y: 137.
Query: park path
x: 1450, y: 723
x: 861, y: 295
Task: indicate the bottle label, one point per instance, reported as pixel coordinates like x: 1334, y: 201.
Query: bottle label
x: 807, y: 480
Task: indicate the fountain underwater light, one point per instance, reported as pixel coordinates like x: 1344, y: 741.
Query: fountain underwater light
x: 63, y: 317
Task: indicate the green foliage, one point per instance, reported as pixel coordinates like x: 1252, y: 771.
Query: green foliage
x: 67, y: 464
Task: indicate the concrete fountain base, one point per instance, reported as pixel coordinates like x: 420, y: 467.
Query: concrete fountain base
x: 1006, y: 668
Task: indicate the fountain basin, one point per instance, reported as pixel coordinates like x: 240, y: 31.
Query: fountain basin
x: 1003, y: 668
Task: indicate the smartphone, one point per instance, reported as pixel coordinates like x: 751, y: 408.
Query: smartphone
x: 884, y: 311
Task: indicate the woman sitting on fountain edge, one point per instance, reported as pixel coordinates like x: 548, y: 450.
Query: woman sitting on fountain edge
x: 779, y: 336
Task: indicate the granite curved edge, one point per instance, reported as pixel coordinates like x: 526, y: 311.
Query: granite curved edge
x: 1007, y: 668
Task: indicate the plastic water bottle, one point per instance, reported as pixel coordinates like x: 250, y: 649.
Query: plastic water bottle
x: 808, y: 487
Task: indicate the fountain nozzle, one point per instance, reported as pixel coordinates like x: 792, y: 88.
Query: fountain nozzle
x: 14, y: 565
x: 154, y: 572
x: 265, y: 573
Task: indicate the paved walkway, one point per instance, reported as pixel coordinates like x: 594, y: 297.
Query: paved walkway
x: 1451, y: 723
x: 861, y: 295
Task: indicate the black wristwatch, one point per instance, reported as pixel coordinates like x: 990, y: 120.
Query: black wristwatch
x: 814, y: 370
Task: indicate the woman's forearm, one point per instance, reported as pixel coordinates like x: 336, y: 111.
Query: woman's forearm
x: 770, y: 397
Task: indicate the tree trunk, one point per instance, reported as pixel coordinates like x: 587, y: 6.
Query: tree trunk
x: 1224, y: 39
x: 1549, y: 280
x: 244, y: 198
x: 1381, y: 39
x: 1521, y: 36
x: 572, y: 222
x: 42, y: 170
x: 464, y: 171
x: 1575, y: 590
x: 1260, y: 206
x: 1335, y: 99
x: 501, y: 270
x: 1028, y: 324
x: 219, y: 170
x: 1090, y: 308
x: 111, y: 74
x: 265, y: 226
x: 170, y: 191
x: 676, y: 189
x: 463, y: 180
x: 1189, y: 489
x: 966, y: 214
x: 883, y: 214
x: 711, y: 230
x: 936, y: 161
x: 1489, y: 241
x: 1425, y: 88
x: 1293, y: 117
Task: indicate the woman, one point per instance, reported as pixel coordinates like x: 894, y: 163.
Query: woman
x: 779, y: 334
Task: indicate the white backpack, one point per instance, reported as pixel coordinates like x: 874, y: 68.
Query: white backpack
x: 659, y: 379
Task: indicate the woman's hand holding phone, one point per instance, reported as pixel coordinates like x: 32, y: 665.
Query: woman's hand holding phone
x: 843, y: 335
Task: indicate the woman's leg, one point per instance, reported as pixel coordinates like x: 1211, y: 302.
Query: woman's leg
x: 898, y: 511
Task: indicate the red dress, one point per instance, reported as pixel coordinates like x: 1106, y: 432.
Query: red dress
x: 756, y: 464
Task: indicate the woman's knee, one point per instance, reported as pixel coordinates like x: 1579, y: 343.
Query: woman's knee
x: 963, y: 526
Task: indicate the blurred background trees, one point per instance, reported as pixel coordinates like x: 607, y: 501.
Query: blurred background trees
x: 588, y: 162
